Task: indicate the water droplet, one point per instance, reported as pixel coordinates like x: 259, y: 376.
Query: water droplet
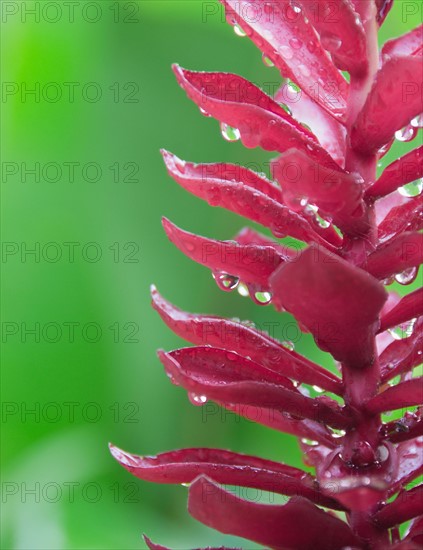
x: 185, y: 484
x: 225, y: 281
x: 286, y: 52
x: 288, y: 345
x: 267, y: 61
x: 311, y: 46
x: 407, y: 133
x: 405, y: 330
x: 204, y: 112
x: 418, y: 121
x: 382, y: 454
x: 295, y: 43
x: 197, y: 399
x: 310, y: 442
x: 407, y: 276
x: 338, y: 433
x: 229, y: 133
x: 304, y: 70
x: 330, y: 41
x: 412, y: 189
x: 317, y: 389
x: 239, y: 31
x: 243, y: 290
x: 262, y: 298
x: 248, y: 323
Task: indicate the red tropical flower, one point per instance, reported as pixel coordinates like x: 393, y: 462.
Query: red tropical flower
x: 361, y: 232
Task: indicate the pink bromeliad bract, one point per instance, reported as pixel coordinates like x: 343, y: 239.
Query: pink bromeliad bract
x: 361, y: 233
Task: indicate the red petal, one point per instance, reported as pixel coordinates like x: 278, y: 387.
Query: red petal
x: 407, y: 216
x: 406, y: 506
x: 402, y: 171
x: 341, y: 33
x: 226, y: 377
x: 309, y: 289
x: 405, y: 394
x: 184, y: 465
x: 399, y: 254
x: 251, y: 263
x: 280, y: 527
x: 244, y: 340
x: 397, y: 90
x: 289, y: 40
x: 403, y: 355
x: 241, y: 199
x: 410, y: 43
x: 330, y: 133
x: 409, y: 307
x: 259, y: 119
x: 336, y: 193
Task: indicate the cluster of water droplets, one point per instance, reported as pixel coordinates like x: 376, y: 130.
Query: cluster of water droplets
x: 197, y: 399
x: 227, y: 283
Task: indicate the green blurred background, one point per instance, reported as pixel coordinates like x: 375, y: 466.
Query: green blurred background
x: 88, y: 370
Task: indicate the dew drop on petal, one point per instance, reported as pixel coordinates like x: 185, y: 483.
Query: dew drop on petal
x: 317, y: 389
x: 310, y: 442
x: 196, y: 399
x: 239, y: 31
x: 412, y: 189
x: 229, y: 133
x: 405, y: 330
x: 295, y: 43
x: 407, y: 133
x: 225, y: 281
x: 242, y: 290
x: 304, y: 70
x: 267, y: 61
x: 407, y: 276
x: 286, y: 52
x: 288, y: 345
x: 286, y: 108
x: 204, y: 112
x: 262, y: 298
x: 418, y: 121
x: 330, y: 41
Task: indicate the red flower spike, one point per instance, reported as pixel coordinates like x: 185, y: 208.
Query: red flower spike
x: 348, y: 47
x: 280, y: 527
x: 284, y: 35
x: 185, y: 465
x: 260, y: 120
x: 309, y: 289
x: 244, y: 340
x: 336, y: 193
x: 362, y: 233
x: 400, y: 172
x: 397, y: 90
x: 243, y: 200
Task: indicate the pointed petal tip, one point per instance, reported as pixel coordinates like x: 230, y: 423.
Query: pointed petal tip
x: 124, y: 458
